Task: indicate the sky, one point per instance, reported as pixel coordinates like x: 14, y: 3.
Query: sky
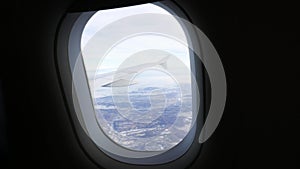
x: 105, y: 17
x: 125, y: 48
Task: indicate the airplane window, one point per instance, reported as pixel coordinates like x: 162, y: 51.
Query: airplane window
x: 138, y: 104
x: 133, y: 87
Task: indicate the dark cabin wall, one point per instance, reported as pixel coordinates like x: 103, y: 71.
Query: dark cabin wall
x: 40, y: 133
x: 257, y: 42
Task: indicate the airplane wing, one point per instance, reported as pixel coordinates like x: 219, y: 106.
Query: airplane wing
x: 113, y: 79
x: 118, y: 78
x: 119, y: 83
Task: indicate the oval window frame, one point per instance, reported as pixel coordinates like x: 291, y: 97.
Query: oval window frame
x: 66, y: 34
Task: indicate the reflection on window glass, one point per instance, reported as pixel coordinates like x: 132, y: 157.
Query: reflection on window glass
x: 138, y: 103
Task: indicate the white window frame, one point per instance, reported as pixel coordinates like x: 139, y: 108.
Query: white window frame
x: 68, y: 49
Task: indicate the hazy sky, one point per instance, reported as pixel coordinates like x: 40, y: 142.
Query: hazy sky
x: 105, y: 17
x: 131, y: 45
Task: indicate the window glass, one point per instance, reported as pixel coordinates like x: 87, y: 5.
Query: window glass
x: 138, y: 103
